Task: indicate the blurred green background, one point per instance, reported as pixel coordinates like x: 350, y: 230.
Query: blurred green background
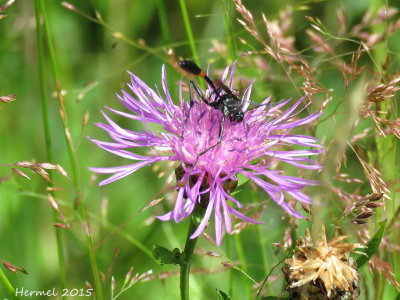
x: 92, y: 61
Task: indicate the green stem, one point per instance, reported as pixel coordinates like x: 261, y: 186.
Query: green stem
x: 229, y: 254
x: 46, y: 126
x: 189, y: 31
x: 56, y: 79
x: 386, y: 155
x: 243, y: 263
x: 71, y: 152
x: 396, y: 194
x: 9, y: 288
x: 264, y: 256
x: 228, y: 17
x: 162, y: 15
x: 261, y: 237
x: 187, y: 261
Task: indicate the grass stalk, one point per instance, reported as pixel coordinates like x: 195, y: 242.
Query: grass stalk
x: 71, y: 150
x: 386, y: 145
x: 243, y: 263
x: 189, y: 33
x: 264, y: 258
x: 6, y: 283
x: 49, y: 149
x: 229, y: 254
x: 162, y: 14
x: 396, y: 199
x: 228, y: 10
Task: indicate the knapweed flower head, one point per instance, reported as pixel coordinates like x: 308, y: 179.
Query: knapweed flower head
x: 251, y: 148
x: 322, y: 269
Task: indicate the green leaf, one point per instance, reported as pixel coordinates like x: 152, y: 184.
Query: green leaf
x: 165, y: 256
x: 241, y: 181
x: 372, y: 246
x: 223, y: 295
x: 273, y: 298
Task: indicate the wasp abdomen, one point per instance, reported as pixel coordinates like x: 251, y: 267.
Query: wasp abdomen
x: 191, y: 67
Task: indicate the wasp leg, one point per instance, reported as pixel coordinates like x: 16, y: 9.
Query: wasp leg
x: 191, y: 103
x: 198, y: 91
x: 221, y: 133
x: 217, y: 94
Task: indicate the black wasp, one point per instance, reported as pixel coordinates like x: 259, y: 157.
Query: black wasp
x: 225, y: 100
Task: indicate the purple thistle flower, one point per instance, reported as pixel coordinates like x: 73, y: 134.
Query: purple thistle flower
x: 259, y: 139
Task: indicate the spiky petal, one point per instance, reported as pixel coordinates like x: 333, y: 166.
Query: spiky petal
x: 250, y: 148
